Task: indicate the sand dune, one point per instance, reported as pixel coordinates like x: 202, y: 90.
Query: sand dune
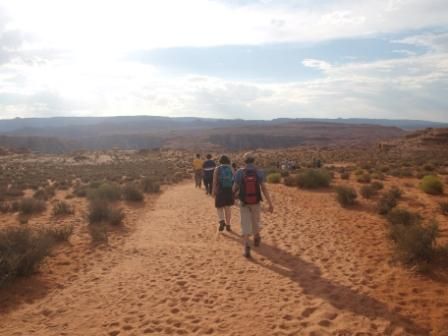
x: 321, y: 270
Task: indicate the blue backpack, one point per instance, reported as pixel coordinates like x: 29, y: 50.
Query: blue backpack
x: 225, y: 177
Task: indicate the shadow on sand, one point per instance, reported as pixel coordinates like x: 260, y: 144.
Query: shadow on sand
x: 308, y: 276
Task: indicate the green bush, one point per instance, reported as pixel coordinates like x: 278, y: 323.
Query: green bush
x: 105, y: 192
x: 399, y: 216
x: 101, y: 212
x: 415, y: 243
x: 62, y: 208
x: 387, y: 202
x: 395, y: 192
x: 21, y: 251
x: 345, y: 175
x: 291, y: 181
x: 274, y: 178
x: 314, y: 178
x: 368, y: 191
x: 444, y: 208
x: 60, y: 233
x: 116, y: 216
x: 44, y: 194
x: 365, y: 178
x: 98, y: 232
x: 150, y: 186
x: 132, y: 194
x: 377, y: 185
x: 28, y: 206
x: 346, y: 196
x: 80, y: 191
x: 432, y: 185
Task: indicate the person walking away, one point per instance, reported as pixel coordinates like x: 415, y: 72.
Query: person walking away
x: 223, y: 193
x: 197, y: 167
x: 208, y: 168
x: 249, y: 184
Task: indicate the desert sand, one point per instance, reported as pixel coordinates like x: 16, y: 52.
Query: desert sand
x: 321, y: 270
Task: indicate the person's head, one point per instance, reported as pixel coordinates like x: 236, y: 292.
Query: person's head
x: 249, y: 157
x: 198, y: 156
x: 224, y: 159
x: 234, y: 165
x: 209, y: 156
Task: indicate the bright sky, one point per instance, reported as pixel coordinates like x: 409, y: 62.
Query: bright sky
x: 251, y: 59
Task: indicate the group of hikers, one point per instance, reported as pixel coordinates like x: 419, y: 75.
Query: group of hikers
x: 229, y: 185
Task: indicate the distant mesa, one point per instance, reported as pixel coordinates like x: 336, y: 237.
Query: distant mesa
x: 68, y: 134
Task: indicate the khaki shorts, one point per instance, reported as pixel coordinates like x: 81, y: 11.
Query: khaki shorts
x: 250, y: 218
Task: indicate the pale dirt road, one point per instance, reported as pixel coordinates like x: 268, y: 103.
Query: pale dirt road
x: 320, y: 270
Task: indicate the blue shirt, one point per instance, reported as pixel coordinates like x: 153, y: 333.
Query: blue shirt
x: 240, y: 173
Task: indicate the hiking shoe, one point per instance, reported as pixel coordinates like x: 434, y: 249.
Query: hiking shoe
x: 257, y: 240
x: 228, y: 229
x: 222, y: 224
x: 246, y: 253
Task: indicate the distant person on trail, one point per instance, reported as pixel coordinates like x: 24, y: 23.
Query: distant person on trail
x: 197, y: 167
x: 223, y: 193
x: 208, y: 168
x: 250, y: 184
x: 234, y: 168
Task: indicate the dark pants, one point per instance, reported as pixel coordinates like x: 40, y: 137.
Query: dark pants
x: 208, y: 182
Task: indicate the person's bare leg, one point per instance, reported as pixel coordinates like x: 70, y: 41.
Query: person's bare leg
x: 228, y: 212
x: 246, y: 245
x: 221, y: 216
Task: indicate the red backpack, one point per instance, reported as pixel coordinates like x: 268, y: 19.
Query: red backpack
x: 250, y: 192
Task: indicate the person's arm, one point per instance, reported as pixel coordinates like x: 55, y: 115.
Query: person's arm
x: 215, y: 182
x: 267, y: 196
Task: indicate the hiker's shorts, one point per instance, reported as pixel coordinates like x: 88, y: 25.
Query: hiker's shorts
x: 250, y: 218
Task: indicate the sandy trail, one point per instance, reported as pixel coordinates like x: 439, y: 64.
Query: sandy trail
x: 321, y: 270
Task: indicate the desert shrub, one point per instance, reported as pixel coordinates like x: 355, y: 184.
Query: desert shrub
x: 150, y: 185
x: 395, y: 192
x: 432, y: 185
x: 284, y: 173
x: 62, y: 208
x: 365, y: 178
x: 368, y: 191
x: 14, y: 192
x: 378, y: 176
x: 345, y: 175
x: 41, y: 194
x: 444, y: 208
x: 116, y: 216
x: 359, y: 172
x: 399, y: 216
x: 98, y: 232
x: 21, y: 252
x: 346, y: 196
x: 132, y: 194
x: 428, y: 167
x: 5, y: 207
x: 62, y: 185
x: 314, y: 178
x: 291, y: 181
x: 101, y: 212
x: 387, y: 202
x: 415, y: 243
x: 60, y: 233
x: 98, y: 211
x: 377, y: 185
x: 105, y: 192
x: 80, y: 191
x: 28, y: 206
x: 274, y: 178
